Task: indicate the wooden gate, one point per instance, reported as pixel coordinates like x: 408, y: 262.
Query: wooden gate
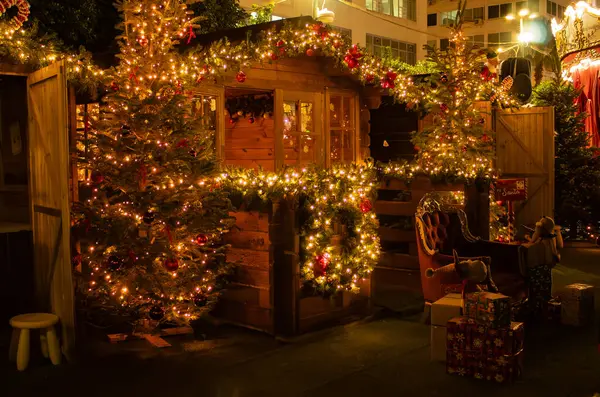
x: 48, y: 184
x: 525, y: 149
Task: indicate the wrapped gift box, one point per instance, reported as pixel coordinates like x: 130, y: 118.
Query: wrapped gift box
x: 502, y: 369
x: 465, y: 334
x: 441, y: 311
x: 446, y: 308
x: 488, y: 308
x: 576, y: 304
x: 438, y: 343
x: 553, y: 311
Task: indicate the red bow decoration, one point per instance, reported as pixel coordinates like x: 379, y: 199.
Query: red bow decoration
x: 352, y: 57
x: 389, y: 81
x: 133, y: 76
x: 191, y: 34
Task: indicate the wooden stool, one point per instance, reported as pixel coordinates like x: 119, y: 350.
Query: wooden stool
x: 22, y: 324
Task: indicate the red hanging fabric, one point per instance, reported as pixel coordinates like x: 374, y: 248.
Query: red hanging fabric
x: 588, y: 101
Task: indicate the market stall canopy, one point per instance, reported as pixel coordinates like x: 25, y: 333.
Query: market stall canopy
x: 578, y: 34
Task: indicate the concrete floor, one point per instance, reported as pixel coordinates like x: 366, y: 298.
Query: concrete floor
x: 386, y: 357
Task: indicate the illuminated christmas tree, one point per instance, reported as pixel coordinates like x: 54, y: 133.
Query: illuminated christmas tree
x: 457, y: 144
x: 152, y: 227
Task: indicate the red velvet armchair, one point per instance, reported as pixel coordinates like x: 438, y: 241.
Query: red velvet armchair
x: 442, y: 227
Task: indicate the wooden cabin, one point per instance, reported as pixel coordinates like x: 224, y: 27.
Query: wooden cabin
x: 290, y: 112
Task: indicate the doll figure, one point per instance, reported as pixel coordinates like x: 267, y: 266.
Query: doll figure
x: 542, y: 255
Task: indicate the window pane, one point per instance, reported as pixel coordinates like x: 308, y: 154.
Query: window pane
x: 505, y: 37
x: 505, y: 9
x: 369, y: 5
x: 306, y: 117
x: 493, y: 12
x: 347, y: 121
x: 341, y: 146
x: 478, y: 13
x: 534, y: 5
x: 431, y: 19
x: 444, y: 43
x: 335, y: 112
x: 289, y: 118
x: 300, y: 150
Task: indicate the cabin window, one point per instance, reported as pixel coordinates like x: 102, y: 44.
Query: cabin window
x: 204, y: 110
x: 342, y: 128
x: 300, y: 140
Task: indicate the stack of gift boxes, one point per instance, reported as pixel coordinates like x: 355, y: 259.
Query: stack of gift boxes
x: 482, y: 343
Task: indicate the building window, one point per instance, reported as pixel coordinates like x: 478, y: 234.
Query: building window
x: 499, y: 10
x: 342, y: 129
x: 444, y: 44
x: 476, y: 41
x: 431, y: 44
x: 346, y: 33
x: 555, y: 9
x: 448, y: 17
x: 531, y: 5
x: 397, y: 8
x: 380, y: 46
x: 431, y: 19
x: 473, y: 14
x: 496, y: 40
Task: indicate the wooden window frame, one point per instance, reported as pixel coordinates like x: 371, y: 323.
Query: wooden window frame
x: 354, y: 115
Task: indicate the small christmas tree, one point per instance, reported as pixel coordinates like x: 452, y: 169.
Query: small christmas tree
x: 152, y: 229
x: 457, y: 144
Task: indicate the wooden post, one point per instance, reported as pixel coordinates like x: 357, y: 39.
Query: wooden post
x: 285, y: 269
x: 477, y: 208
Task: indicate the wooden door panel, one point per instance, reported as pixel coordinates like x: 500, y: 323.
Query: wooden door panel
x: 49, y: 192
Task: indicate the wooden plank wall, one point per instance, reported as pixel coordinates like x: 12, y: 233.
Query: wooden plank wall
x: 251, y: 145
x: 396, y: 281
x: 248, y: 299
x: 525, y: 149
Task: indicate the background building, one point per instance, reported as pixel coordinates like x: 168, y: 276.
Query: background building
x: 376, y: 24
x: 487, y: 24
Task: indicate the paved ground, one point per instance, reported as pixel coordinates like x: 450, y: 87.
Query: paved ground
x: 387, y: 357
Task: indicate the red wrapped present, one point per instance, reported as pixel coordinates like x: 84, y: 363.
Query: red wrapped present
x: 466, y: 334
x: 458, y: 333
x: 488, y: 308
x: 504, y: 369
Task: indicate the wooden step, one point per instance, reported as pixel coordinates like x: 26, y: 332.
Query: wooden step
x: 389, y: 234
x: 399, y: 261
x: 395, y: 208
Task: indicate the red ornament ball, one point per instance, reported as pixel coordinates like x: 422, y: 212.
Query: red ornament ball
x: 321, y: 263
x: 240, y: 77
x: 464, y: 149
x: 200, y: 300
x: 274, y: 56
x: 143, y: 40
x: 171, y: 264
x: 156, y: 313
x: 280, y: 43
x: 443, y: 107
x: 366, y: 206
x: 114, y: 86
x: 114, y: 263
x: 97, y: 177
x: 485, y: 138
x: 251, y: 120
x: 369, y: 78
x: 310, y: 52
x: 201, y: 239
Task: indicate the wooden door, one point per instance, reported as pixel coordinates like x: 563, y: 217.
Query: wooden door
x: 48, y: 185
x: 525, y: 149
x: 298, y: 128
